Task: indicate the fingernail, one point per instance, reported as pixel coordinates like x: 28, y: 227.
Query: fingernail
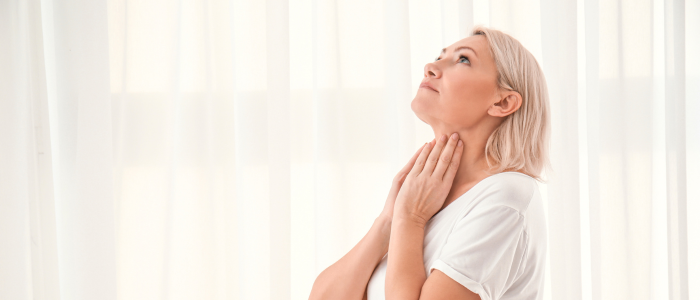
x: 459, y: 143
x: 443, y: 138
x: 454, y: 136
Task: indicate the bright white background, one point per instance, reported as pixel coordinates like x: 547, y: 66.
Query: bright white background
x: 231, y: 149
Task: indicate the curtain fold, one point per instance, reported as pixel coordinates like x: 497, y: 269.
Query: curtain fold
x: 559, y: 63
x: 28, y: 247
x: 278, y: 141
x: 232, y: 149
x: 81, y: 143
x: 676, y: 179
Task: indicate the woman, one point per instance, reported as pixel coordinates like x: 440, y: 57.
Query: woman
x: 464, y: 218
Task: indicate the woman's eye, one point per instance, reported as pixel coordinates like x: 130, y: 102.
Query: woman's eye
x: 460, y: 59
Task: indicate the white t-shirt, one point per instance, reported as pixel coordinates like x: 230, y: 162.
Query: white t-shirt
x: 492, y: 240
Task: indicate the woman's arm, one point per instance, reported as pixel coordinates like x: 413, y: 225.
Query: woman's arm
x: 422, y: 195
x: 347, y: 278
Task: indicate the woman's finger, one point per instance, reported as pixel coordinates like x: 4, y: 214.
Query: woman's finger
x: 445, y: 157
x: 420, y: 161
x: 454, y: 163
x: 411, y: 161
x: 435, y: 155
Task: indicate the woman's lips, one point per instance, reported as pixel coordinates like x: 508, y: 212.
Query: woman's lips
x: 427, y: 86
x: 424, y: 86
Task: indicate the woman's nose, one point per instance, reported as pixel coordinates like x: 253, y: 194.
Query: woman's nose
x: 431, y: 70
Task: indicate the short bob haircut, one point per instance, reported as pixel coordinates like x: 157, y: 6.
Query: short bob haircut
x: 521, y: 142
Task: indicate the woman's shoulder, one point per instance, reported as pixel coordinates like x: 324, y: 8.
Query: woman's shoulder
x: 513, y: 189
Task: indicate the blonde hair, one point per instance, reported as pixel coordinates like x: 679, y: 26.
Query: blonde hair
x: 521, y: 142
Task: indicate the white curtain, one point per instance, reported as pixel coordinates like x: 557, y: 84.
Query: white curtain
x: 233, y: 149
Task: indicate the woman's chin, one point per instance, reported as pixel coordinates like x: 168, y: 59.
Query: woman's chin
x: 420, y: 117
x: 417, y: 109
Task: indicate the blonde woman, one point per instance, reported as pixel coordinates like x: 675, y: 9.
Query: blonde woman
x: 464, y: 218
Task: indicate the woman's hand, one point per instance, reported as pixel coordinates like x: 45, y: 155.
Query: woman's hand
x: 426, y: 186
x: 388, y: 211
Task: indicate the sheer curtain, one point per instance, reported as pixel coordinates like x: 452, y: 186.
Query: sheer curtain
x: 231, y: 149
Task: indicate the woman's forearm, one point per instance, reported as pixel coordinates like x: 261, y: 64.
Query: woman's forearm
x: 347, y: 278
x: 405, y: 272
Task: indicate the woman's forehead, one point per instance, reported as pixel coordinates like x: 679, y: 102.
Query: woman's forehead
x: 476, y: 42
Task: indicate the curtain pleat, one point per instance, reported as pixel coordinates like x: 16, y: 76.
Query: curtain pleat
x: 28, y: 247
x: 559, y: 63
x: 278, y: 146
x: 77, y: 74
x: 590, y: 154
x: 692, y: 137
x: 232, y: 149
x: 674, y: 40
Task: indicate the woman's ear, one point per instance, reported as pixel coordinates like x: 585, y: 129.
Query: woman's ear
x: 509, y: 103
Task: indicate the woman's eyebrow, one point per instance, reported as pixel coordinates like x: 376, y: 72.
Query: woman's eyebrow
x: 460, y: 48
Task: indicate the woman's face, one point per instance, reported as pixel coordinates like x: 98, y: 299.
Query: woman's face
x: 464, y: 78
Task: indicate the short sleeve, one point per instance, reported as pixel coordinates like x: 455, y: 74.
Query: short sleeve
x: 481, y: 251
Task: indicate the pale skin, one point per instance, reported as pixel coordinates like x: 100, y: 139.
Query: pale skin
x: 467, y: 105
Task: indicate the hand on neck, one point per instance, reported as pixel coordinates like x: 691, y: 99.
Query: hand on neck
x: 472, y: 166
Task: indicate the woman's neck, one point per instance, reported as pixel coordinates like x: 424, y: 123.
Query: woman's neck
x: 472, y: 166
